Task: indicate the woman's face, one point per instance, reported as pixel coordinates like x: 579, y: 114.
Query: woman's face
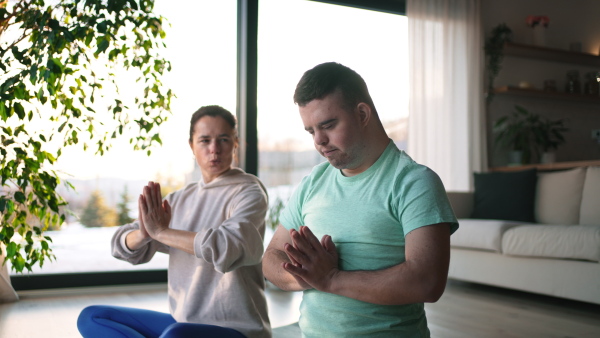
x: 213, y: 144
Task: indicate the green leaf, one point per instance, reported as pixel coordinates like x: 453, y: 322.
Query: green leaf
x: 19, y: 92
x: 19, y: 263
x: 11, y: 249
x: 157, y: 139
x: 8, y: 232
x: 3, y: 112
x: 133, y: 4
x: 102, y: 45
x: 10, y: 207
x: 101, y: 27
x: 53, y: 205
x: 19, y: 197
x: 89, y: 38
x: 19, y: 110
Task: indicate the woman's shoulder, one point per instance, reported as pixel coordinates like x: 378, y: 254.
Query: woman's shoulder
x: 237, y: 176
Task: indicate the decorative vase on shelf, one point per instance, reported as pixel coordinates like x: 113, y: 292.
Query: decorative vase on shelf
x: 539, y: 36
x: 538, y: 24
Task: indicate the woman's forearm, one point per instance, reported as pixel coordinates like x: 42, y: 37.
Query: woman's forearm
x: 178, y: 239
x: 135, y: 240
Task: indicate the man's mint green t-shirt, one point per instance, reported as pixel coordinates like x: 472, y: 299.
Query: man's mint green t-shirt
x: 367, y: 217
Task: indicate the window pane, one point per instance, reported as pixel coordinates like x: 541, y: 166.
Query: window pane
x: 201, y: 42
x: 296, y: 35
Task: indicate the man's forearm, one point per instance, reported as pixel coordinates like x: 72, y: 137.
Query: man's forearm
x: 273, y: 271
x: 420, y: 278
x: 401, y: 284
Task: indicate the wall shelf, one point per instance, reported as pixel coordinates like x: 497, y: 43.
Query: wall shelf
x: 516, y: 91
x: 551, y: 54
x: 549, y: 166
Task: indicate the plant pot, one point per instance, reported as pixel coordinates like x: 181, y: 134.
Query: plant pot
x: 548, y: 157
x: 7, y: 293
x: 515, y: 157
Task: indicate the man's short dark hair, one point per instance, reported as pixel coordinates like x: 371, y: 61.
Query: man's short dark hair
x: 326, y: 78
x: 213, y: 111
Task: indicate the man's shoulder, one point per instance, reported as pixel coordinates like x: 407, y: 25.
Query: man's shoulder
x: 401, y: 165
x: 318, y: 172
x: 405, y: 173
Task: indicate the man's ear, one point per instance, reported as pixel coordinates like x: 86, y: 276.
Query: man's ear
x: 364, y: 113
x: 191, y: 146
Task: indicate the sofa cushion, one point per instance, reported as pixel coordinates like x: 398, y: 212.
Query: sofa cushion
x: 558, y: 196
x: 505, y: 195
x: 553, y: 241
x: 482, y: 234
x: 590, y: 201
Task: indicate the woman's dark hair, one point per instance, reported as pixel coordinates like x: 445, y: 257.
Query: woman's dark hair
x: 213, y: 111
x: 326, y: 78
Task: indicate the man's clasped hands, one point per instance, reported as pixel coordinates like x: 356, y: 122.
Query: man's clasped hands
x: 313, y: 263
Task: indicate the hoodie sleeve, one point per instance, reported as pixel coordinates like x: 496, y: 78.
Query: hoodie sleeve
x: 239, y: 240
x: 140, y: 256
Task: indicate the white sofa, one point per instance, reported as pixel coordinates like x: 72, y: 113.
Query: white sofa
x: 558, y: 254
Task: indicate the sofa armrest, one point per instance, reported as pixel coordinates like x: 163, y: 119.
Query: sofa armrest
x: 462, y: 203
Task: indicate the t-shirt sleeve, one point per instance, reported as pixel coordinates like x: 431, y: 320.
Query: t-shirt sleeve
x: 423, y: 201
x: 291, y: 216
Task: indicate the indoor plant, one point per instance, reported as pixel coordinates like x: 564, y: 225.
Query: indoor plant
x: 53, y: 99
x: 549, y: 135
x: 528, y: 134
x: 516, y: 133
x: 493, y: 48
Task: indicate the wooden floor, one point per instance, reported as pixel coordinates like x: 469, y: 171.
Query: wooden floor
x: 474, y: 310
x: 465, y: 310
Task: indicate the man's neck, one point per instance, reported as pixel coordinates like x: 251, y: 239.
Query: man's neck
x: 373, y: 151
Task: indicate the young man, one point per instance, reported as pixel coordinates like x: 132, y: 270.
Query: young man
x: 384, y: 221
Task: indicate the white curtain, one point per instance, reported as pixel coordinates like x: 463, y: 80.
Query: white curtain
x: 446, y: 129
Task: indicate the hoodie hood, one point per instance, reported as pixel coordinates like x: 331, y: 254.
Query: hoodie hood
x: 231, y: 177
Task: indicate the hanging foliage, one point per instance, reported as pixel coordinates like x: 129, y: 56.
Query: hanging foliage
x: 60, y: 63
x: 494, y: 46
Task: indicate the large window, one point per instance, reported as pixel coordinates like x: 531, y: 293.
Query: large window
x: 201, y: 41
x: 296, y: 35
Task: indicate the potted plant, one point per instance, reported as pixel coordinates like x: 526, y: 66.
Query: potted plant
x: 527, y: 135
x: 516, y: 133
x: 272, y: 219
x: 549, y: 135
x: 7, y: 292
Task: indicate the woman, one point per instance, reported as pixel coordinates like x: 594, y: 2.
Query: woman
x: 213, y: 232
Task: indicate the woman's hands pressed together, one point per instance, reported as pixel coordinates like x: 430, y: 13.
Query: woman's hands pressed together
x: 155, y: 214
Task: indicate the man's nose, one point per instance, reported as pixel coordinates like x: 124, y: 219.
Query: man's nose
x: 320, y: 138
